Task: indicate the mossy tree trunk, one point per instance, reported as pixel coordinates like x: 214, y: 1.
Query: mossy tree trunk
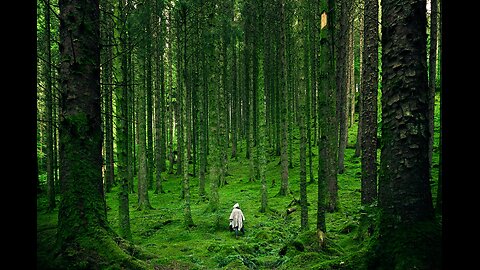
x: 82, y: 215
x: 351, y: 66
x: 302, y: 61
x: 361, y: 26
x: 262, y: 140
x: 408, y: 235
x: 261, y: 115
x: 246, y: 104
x: 255, y: 75
x: 327, y: 141
x: 314, y: 83
x: 49, y: 124
x: 148, y: 93
x: 83, y: 231
x: 439, y: 202
x: 234, y: 92
x: 331, y: 90
x: 310, y: 84
x: 224, y: 10
x: 178, y: 118
x: 171, y: 93
x: 268, y: 69
x: 432, y: 78
x: 369, y: 95
x: 201, y: 114
x: 107, y: 84
x: 183, y: 12
x: 122, y: 124
x: 160, y: 99
x: 283, y: 100
x: 130, y: 115
x: 342, y: 87
x: 142, y: 126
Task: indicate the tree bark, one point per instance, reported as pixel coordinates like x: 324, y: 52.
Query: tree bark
x: 143, y: 184
x: 283, y: 102
x: 159, y: 102
x: 122, y: 125
x: 303, y: 86
x: 432, y: 78
x: 439, y: 202
x: 343, y: 82
x: 327, y: 169
x: 361, y: 26
x: 49, y: 112
x: 82, y: 209
x: 406, y: 222
x: 369, y: 104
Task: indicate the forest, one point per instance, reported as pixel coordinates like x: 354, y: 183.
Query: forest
x: 322, y: 119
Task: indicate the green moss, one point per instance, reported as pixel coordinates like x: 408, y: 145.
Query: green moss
x: 102, y: 252
x: 413, y: 246
x: 351, y: 234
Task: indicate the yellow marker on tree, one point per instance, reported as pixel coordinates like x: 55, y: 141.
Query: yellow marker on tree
x: 323, y: 20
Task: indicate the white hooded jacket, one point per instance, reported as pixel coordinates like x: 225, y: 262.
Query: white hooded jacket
x: 236, y: 217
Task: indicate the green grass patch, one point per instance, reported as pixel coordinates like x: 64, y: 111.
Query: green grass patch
x: 272, y: 239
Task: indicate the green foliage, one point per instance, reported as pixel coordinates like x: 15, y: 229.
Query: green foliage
x: 272, y: 239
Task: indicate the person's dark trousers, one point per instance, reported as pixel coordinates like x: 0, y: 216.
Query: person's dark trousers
x: 242, y: 230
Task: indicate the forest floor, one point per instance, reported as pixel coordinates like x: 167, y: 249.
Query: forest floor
x: 272, y: 240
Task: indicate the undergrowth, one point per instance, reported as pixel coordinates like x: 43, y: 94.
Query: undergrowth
x: 272, y: 240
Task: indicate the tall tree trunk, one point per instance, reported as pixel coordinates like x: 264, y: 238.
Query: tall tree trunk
x: 214, y: 159
x: 235, y: 107
x: 171, y: 104
x: 159, y: 102
x: 107, y: 72
x: 149, y: 95
x: 82, y: 216
x: 303, y: 87
x: 49, y: 111
x: 314, y: 61
x: 439, y: 202
x: 331, y: 128
x: 255, y: 75
x: 369, y: 103
x: 247, y: 81
x: 178, y: 120
x: 361, y: 26
x: 184, y: 129
x: 202, y: 92
x: 55, y: 143
x: 406, y: 222
x: 351, y: 66
x: 142, y: 126
x: 267, y: 70
x: 283, y: 102
x: 432, y: 78
x: 342, y: 82
x: 327, y: 111
x: 289, y: 78
x: 328, y: 142
x: 223, y: 93
x: 130, y: 116
x: 309, y: 28
x: 261, y: 148
x: 123, y: 125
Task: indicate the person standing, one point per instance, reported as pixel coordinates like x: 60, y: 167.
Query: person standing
x: 236, y: 219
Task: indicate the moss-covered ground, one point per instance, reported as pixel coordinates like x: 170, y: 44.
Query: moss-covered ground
x: 272, y: 240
